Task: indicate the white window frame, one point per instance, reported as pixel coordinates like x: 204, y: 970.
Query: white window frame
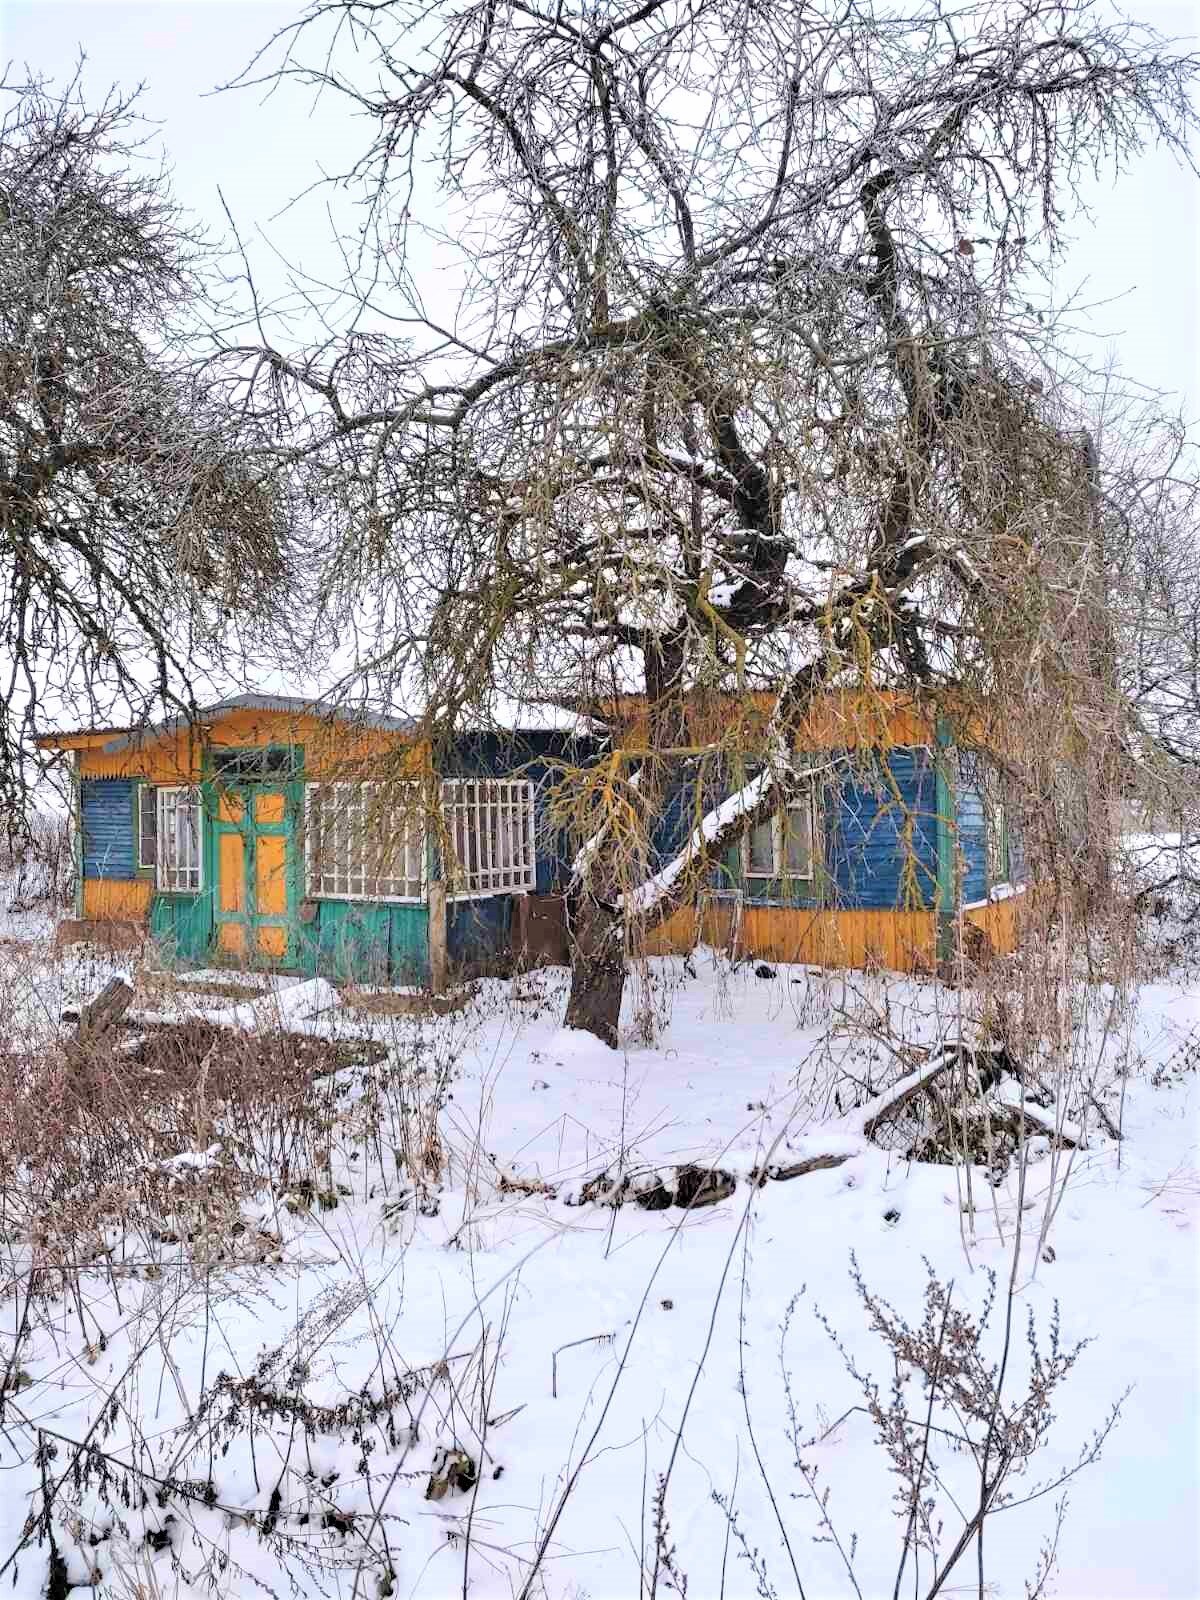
x: 147, y: 796
x: 505, y: 862
x: 780, y: 870
x: 189, y: 877
x: 995, y: 832
x: 350, y: 797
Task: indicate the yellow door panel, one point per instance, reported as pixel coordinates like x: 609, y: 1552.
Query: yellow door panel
x: 271, y: 875
x: 269, y: 807
x: 231, y: 938
x: 231, y: 876
x: 230, y: 807
x: 272, y: 942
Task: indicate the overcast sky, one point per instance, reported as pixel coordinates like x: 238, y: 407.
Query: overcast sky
x: 1136, y: 263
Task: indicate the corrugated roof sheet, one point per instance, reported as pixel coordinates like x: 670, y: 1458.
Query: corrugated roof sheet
x: 298, y: 704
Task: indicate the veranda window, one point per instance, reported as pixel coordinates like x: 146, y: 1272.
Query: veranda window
x: 996, y: 829
x: 983, y: 779
x: 490, y: 831
x: 179, y: 854
x: 364, y: 841
x: 147, y: 828
x: 781, y: 846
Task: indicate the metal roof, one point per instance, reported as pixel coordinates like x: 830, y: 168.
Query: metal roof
x: 360, y: 718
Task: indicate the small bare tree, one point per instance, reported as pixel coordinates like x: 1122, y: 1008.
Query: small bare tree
x: 1154, y: 522
x: 130, y: 529
x: 741, y: 383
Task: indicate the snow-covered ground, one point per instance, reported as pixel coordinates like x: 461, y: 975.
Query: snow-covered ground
x: 578, y: 1347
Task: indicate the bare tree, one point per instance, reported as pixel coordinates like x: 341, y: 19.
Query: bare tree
x: 734, y: 378
x: 129, y: 529
x: 1152, y: 523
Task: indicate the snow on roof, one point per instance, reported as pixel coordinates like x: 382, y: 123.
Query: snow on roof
x: 535, y: 716
x: 508, y: 716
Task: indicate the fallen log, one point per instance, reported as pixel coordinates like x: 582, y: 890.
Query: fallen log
x: 989, y: 1064
x: 690, y: 1186
x: 797, y: 1169
x: 886, y: 1105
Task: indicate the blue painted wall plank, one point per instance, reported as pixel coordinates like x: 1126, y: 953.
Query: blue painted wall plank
x: 881, y: 833
x: 106, y: 808
x: 878, y: 827
x: 479, y: 931
x: 972, y: 839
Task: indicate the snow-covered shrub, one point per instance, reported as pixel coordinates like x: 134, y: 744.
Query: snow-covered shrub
x: 1162, y: 877
x: 38, y: 866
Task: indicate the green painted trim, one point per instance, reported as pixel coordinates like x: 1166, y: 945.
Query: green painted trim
x: 1005, y: 862
x: 142, y: 786
x: 946, y: 893
x: 780, y: 892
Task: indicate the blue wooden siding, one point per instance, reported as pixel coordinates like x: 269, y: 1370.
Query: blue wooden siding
x: 972, y: 839
x: 881, y: 833
x: 671, y: 828
x: 682, y: 807
x: 107, y: 809
x: 877, y: 837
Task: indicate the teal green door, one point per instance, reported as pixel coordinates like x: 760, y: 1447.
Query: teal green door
x: 256, y: 873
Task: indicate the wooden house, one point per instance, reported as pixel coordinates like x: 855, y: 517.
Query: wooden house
x: 274, y: 830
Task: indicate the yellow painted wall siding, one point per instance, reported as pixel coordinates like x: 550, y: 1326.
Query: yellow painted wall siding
x: 106, y: 899
x: 840, y: 719
x: 675, y: 936
x: 331, y: 749
x: 1001, y: 921
x: 901, y: 941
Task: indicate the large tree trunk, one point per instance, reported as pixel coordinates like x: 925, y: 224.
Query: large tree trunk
x: 597, y: 972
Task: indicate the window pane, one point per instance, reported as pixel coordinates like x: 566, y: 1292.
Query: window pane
x: 798, y: 840
x: 760, y: 851
x: 180, y: 860
x: 147, y: 827
x: 490, y: 827
x: 996, y: 864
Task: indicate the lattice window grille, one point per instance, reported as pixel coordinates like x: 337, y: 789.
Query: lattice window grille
x: 364, y: 841
x: 180, y: 865
x: 490, y: 831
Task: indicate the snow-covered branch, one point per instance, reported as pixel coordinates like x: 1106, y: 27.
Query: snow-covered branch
x: 713, y: 834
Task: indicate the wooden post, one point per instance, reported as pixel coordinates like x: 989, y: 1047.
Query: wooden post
x: 946, y: 898
x: 437, y: 936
